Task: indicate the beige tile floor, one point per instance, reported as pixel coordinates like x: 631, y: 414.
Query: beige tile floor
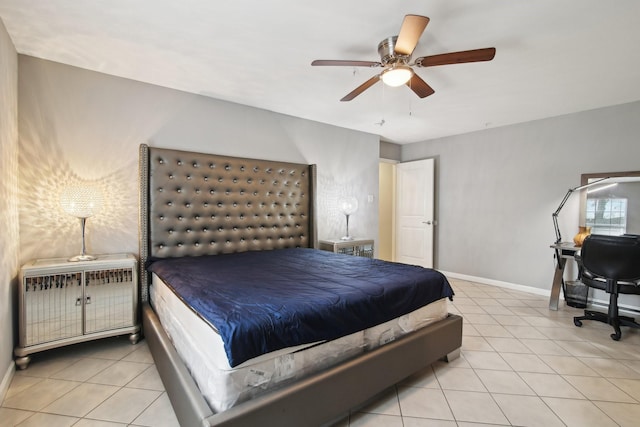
x: 521, y: 365
x: 105, y: 383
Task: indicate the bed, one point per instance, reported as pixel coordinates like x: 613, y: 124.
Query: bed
x: 196, y: 206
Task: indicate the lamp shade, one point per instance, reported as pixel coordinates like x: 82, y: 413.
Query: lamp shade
x: 348, y: 205
x: 81, y: 201
x: 396, y: 75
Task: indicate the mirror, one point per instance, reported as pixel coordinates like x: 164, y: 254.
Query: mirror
x: 612, y: 208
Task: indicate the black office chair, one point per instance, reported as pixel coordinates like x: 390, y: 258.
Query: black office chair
x: 612, y: 264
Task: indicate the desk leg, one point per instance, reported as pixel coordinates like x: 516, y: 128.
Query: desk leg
x: 557, y: 283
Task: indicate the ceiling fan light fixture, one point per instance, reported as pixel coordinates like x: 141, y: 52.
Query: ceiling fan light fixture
x: 396, y: 75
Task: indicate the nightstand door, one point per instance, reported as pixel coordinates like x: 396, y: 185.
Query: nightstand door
x: 51, y: 307
x: 109, y: 298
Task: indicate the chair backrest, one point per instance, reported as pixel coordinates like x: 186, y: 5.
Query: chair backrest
x: 612, y: 257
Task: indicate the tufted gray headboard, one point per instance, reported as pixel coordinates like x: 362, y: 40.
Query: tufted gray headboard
x: 195, y: 204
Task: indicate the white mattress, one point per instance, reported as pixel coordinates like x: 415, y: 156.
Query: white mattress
x: 223, y: 386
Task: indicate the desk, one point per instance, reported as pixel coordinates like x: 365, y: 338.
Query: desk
x: 564, y: 251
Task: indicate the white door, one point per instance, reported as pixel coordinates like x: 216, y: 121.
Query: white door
x: 414, y: 212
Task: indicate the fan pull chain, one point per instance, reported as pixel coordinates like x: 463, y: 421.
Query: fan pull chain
x: 410, y: 102
x: 383, y: 95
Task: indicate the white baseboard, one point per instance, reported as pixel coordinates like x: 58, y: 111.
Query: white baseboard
x: 498, y: 283
x: 627, y: 310
x: 6, y: 380
x: 591, y: 303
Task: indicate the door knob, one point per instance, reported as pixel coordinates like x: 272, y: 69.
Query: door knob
x: 426, y: 222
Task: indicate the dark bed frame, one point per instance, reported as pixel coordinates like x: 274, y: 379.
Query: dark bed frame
x: 195, y: 204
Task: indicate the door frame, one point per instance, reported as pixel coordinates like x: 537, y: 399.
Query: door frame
x: 390, y: 235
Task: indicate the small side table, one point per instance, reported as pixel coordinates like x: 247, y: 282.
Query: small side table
x: 356, y: 246
x: 63, y: 302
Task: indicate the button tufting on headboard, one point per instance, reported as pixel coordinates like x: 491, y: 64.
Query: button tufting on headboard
x: 200, y: 204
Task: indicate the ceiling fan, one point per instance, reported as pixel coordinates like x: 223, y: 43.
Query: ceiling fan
x: 395, y: 57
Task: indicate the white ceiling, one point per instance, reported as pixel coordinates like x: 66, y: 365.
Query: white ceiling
x: 553, y: 57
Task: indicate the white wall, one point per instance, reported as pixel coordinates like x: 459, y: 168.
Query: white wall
x: 9, y: 244
x: 496, y: 189
x: 78, y: 125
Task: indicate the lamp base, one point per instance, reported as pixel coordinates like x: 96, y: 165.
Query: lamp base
x: 83, y: 257
x: 346, y: 238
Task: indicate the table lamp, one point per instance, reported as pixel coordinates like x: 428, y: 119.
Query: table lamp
x: 81, y: 202
x: 348, y: 206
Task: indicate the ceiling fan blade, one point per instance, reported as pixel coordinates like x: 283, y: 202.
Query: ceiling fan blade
x: 420, y: 87
x: 474, y: 55
x: 412, y: 28
x: 341, y: 63
x: 364, y: 86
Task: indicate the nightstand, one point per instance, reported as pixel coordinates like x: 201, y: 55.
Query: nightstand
x: 357, y: 247
x: 63, y: 302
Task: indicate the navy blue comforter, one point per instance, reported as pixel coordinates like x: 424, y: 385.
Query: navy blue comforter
x: 264, y: 301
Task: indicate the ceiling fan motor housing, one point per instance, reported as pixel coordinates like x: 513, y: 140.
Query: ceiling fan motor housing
x: 388, y: 55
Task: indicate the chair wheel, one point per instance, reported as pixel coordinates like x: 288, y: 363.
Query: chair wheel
x: 577, y: 322
x: 616, y: 336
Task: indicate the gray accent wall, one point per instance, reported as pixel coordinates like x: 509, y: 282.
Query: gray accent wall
x: 9, y: 240
x: 390, y: 151
x: 82, y: 126
x: 496, y: 189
